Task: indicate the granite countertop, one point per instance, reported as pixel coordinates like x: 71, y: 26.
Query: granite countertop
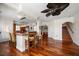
x: 21, y: 34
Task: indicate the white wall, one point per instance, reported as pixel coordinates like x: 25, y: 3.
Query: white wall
x: 51, y: 29
x: 55, y: 27
x: 6, y: 22
x: 75, y: 29
x: 6, y: 26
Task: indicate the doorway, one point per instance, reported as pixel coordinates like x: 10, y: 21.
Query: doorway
x: 44, y: 31
x: 67, y: 32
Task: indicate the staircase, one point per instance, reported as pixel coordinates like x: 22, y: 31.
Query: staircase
x: 66, y: 35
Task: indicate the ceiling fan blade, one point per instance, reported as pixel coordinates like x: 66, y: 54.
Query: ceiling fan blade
x: 45, y: 11
x: 50, y: 5
x: 56, y: 12
x: 62, y: 7
x: 48, y: 14
x: 57, y: 5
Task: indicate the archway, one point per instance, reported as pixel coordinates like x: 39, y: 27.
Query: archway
x: 44, y: 35
x: 44, y: 31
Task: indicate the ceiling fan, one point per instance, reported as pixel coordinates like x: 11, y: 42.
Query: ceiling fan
x: 55, y: 9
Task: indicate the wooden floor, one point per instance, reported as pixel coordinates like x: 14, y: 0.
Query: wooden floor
x: 48, y: 47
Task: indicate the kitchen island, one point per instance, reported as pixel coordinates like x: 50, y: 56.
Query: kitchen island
x: 20, y: 41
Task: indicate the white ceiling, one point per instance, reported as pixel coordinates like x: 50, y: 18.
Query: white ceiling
x: 33, y: 11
